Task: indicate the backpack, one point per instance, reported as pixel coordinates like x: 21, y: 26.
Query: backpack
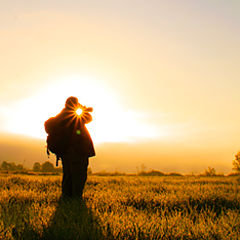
x: 57, y: 139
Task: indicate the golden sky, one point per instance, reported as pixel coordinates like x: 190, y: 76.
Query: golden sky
x: 161, y: 72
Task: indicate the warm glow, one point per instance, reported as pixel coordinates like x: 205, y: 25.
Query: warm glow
x: 111, y: 123
x: 162, y: 73
x: 79, y: 111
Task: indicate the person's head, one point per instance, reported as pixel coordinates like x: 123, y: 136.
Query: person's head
x: 72, y: 103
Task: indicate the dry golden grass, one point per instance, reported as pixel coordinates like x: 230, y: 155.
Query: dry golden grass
x: 121, y: 208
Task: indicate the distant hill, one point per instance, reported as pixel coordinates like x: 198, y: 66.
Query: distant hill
x: 122, y: 157
x: 21, y: 149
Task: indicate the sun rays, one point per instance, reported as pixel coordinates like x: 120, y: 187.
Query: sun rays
x: 112, y: 122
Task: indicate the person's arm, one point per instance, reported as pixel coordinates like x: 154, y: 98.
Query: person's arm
x: 86, y: 117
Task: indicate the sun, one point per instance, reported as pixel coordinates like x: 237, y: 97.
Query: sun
x: 79, y: 111
x: 111, y: 121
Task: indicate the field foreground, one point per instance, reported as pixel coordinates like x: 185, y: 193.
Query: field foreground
x: 121, y: 208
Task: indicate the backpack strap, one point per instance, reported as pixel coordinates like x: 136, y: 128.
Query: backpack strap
x: 48, y: 153
x: 57, y: 157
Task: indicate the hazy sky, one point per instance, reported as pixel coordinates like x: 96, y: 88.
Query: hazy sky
x: 160, y: 71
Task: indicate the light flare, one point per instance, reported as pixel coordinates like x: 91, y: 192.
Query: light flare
x: 110, y: 121
x: 79, y: 111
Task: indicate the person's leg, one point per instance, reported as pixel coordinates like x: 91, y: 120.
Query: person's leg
x: 79, y: 175
x: 67, y: 179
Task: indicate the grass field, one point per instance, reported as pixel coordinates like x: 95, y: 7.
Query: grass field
x: 129, y: 207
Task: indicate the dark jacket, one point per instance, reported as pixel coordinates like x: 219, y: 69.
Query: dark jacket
x: 77, y: 134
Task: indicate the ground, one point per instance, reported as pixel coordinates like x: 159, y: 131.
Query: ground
x: 127, y: 207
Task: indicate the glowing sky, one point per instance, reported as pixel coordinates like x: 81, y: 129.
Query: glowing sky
x: 165, y: 71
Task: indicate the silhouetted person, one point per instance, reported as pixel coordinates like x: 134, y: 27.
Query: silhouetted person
x: 76, y: 145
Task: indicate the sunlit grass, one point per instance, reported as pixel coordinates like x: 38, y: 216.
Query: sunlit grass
x: 121, y: 208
